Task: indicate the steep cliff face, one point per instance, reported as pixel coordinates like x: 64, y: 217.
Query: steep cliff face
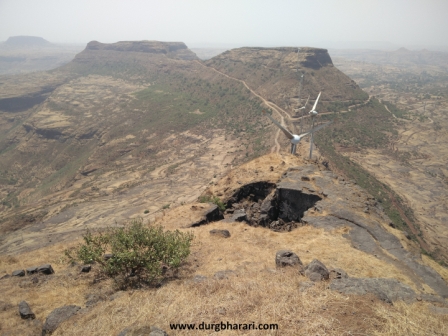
x: 176, y: 50
x: 314, y: 58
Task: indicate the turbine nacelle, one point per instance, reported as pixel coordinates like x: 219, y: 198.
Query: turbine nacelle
x: 313, y: 113
x: 294, y: 138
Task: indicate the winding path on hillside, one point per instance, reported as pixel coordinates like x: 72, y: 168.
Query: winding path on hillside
x: 269, y: 104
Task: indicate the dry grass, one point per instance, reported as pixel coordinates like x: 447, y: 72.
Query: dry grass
x: 257, y: 247
x: 260, y: 297
x: 255, y: 292
x: 415, y: 319
x: 43, y: 293
x: 443, y: 271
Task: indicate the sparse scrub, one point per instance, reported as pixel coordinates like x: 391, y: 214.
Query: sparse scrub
x: 140, y: 254
x: 365, y: 128
x: 213, y: 199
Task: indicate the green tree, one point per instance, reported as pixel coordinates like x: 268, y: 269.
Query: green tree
x: 138, y: 254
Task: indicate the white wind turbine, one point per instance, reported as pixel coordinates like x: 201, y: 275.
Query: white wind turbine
x: 295, y: 138
x: 313, y: 114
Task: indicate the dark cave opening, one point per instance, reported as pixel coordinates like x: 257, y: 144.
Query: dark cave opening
x: 264, y: 204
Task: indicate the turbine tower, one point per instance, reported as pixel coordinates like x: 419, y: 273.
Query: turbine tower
x: 301, y: 117
x: 294, y: 138
x: 313, y: 113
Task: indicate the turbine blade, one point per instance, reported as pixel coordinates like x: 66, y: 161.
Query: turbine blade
x: 319, y: 127
x: 284, y: 130
x: 315, y: 103
x: 304, y: 106
x: 314, y: 129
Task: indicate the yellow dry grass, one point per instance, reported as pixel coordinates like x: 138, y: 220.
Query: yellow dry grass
x: 256, y: 292
x: 48, y: 293
x: 257, y: 247
x: 443, y: 271
x: 415, y: 319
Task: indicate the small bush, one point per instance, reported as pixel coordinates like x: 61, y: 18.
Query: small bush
x: 140, y: 254
x: 213, y: 199
x: 146, y: 211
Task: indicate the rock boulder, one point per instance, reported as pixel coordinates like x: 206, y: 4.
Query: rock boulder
x: 58, y: 316
x: 25, y: 311
x: 316, y: 271
x: 285, y: 258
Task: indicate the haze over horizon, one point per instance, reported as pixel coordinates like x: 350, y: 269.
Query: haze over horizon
x: 377, y: 24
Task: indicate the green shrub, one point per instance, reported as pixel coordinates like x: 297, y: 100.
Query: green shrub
x: 213, y: 199
x: 140, y: 254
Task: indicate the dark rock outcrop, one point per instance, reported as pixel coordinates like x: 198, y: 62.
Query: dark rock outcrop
x: 45, y: 269
x: 25, y: 311
x: 294, y: 202
x: 220, y: 233
x: 5, y: 276
x: 256, y: 191
x: 279, y: 208
x: 316, y: 271
x: 19, y: 273
x: 58, y: 316
x: 31, y: 270
x: 238, y: 215
x: 315, y: 58
x: 285, y: 258
x: 213, y: 214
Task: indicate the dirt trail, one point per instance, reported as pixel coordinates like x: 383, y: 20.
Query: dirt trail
x: 390, y: 111
x: 276, y: 108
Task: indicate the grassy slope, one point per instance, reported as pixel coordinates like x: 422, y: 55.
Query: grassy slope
x: 174, y: 91
x: 370, y: 126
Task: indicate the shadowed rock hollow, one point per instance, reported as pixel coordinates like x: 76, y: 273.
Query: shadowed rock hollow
x: 279, y: 208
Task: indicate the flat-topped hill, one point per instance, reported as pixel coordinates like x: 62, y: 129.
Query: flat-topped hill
x: 275, y: 73
x: 177, y: 50
x: 27, y: 41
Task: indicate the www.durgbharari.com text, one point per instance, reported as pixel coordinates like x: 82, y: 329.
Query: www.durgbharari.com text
x: 224, y: 326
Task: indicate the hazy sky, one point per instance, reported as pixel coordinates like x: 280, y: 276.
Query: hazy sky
x: 318, y: 23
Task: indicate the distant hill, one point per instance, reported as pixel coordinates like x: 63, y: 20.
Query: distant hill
x: 22, y: 54
x: 27, y: 41
x: 401, y: 57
